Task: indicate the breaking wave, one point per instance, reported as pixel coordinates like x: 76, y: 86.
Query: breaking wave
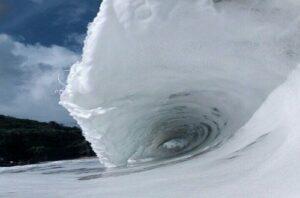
x: 213, y: 85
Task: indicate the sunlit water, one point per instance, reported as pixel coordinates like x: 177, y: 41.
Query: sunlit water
x: 191, y: 98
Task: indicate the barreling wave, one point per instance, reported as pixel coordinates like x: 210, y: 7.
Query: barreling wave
x: 212, y: 81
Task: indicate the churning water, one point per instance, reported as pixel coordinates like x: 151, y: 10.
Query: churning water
x: 205, y: 93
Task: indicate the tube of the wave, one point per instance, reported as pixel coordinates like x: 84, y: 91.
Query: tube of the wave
x: 138, y: 55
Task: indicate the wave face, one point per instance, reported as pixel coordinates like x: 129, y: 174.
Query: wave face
x: 213, y: 85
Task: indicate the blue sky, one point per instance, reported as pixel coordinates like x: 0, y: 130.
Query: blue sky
x: 39, y: 40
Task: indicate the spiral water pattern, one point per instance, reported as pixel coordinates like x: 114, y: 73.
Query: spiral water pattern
x: 208, y: 88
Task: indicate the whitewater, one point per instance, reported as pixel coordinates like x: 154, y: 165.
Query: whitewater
x: 189, y: 98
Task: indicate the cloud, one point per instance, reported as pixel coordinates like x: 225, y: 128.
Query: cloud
x: 29, y: 79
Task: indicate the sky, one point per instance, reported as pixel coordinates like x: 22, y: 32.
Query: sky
x: 39, y: 41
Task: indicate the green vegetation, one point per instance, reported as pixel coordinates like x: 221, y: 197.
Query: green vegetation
x: 25, y: 141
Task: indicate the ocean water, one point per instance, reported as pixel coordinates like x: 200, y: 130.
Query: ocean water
x: 188, y: 98
x: 52, y: 179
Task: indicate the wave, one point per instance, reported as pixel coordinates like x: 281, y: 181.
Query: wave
x: 213, y: 85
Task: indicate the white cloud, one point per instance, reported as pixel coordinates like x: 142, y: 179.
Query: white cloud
x: 29, y: 79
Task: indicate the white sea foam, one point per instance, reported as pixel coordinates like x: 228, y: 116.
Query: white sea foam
x: 212, y: 85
